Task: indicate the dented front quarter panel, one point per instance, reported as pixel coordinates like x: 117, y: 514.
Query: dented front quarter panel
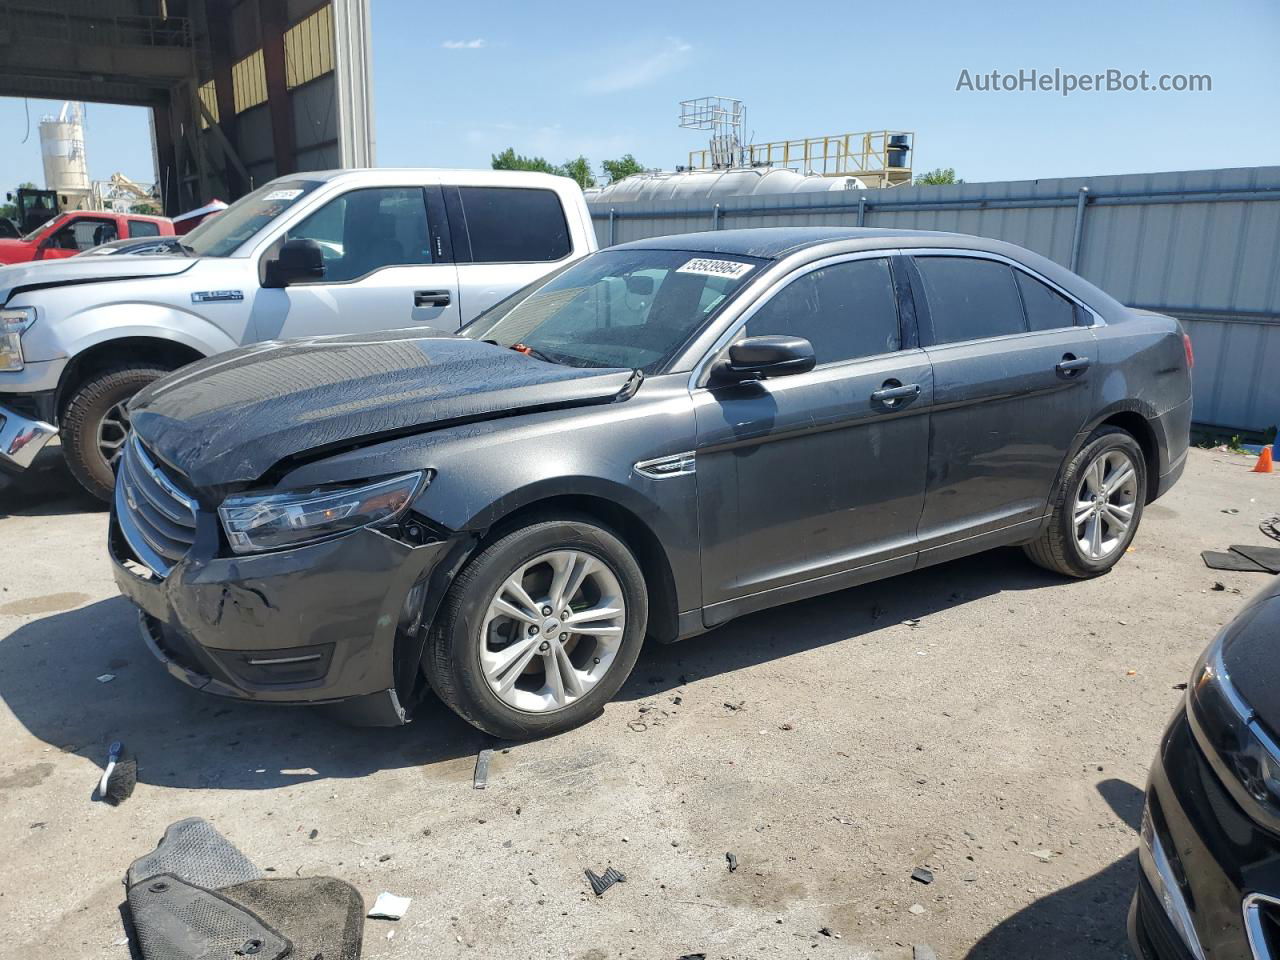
x: 486, y: 471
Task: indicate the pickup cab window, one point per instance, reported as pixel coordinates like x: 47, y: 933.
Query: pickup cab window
x: 364, y: 230
x: 83, y: 233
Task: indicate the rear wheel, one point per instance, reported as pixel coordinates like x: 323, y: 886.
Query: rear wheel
x: 95, y: 424
x: 540, y: 630
x: 1097, y: 507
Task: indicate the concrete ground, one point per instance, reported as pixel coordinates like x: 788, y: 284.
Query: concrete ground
x: 832, y: 746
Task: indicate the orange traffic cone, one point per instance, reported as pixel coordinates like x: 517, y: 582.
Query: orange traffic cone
x: 1264, y: 461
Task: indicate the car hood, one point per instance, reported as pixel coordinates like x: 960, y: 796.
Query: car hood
x: 1251, y: 654
x: 53, y: 273
x: 229, y: 419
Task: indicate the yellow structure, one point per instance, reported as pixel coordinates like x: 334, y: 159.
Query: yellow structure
x: 879, y: 158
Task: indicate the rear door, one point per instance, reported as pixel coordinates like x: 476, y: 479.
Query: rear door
x: 503, y: 239
x: 1012, y: 358
x: 804, y: 478
x: 387, y: 265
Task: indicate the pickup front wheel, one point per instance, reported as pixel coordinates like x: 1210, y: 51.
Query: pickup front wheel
x: 96, y: 422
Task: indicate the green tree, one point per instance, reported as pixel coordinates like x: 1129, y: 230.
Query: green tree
x: 578, y: 169
x: 622, y: 168
x: 940, y: 176
x: 508, y: 159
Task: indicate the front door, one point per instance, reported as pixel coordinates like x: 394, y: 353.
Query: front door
x: 385, y: 268
x: 805, y: 478
x: 76, y: 236
x: 1012, y: 389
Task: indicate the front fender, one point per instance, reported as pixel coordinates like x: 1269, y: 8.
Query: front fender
x: 91, y: 327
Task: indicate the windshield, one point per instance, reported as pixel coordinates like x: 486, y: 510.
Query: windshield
x: 617, y: 308
x: 223, y: 234
x: 31, y: 237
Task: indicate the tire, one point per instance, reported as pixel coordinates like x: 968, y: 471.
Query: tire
x: 1059, y: 547
x: 467, y: 637
x: 84, y: 414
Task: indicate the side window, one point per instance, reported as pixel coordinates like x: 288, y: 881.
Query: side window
x: 1046, y: 308
x: 84, y: 233
x: 143, y: 228
x: 970, y: 298
x: 514, y: 225
x: 364, y: 230
x: 846, y: 310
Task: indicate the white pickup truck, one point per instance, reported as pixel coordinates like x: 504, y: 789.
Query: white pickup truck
x: 305, y: 255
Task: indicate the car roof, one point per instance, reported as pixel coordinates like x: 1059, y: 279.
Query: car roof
x: 773, y: 243
x: 392, y: 175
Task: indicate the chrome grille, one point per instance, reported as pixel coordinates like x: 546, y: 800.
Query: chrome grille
x: 156, y: 516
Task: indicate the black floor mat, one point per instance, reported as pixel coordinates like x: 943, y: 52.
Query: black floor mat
x: 324, y: 916
x: 177, y: 921
x: 1230, y: 561
x: 196, y: 897
x: 193, y: 850
x: 1268, y: 557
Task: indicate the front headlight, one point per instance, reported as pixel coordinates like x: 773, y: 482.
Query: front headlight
x: 270, y: 521
x: 13, y: 324
x: 1244, y: 753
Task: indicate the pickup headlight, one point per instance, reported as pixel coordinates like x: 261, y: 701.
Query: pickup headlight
x: 13, y: 323
x: 1242, y: 750
x: 271, y: 521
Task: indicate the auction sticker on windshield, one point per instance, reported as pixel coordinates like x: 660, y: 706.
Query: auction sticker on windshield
x: 282, y: 195
x: 716, y: 268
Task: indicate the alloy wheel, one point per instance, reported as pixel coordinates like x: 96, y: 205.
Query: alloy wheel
x: 1106, y: 499
x: 552, y: 630
x: 113, y: 431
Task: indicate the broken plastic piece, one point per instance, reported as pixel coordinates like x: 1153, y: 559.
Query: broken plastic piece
x: 481, y: 779
x: 599, y: 883
x: 922, y: 875
x: 733, y: 861
x: 390, y: 907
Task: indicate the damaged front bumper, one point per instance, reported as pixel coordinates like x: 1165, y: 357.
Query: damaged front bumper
x: 337, y: 622
x: 21, y: 438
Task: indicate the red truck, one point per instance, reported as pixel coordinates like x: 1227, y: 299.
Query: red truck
x: 78, y: 230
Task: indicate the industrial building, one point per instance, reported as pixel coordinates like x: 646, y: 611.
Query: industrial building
x: 240, y: 91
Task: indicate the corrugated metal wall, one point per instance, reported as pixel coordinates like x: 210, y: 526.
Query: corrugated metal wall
x: 1203, y: 245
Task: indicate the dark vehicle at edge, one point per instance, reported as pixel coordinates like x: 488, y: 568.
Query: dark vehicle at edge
x: 657, y: 439
x: 1210, y: 842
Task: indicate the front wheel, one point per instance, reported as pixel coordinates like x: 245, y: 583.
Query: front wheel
x: 95, y: 424
x: 540, y: 630
x: 1097, y: 507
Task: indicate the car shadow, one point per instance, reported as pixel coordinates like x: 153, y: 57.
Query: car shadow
x: 832, y: 618
x: 45, y: 489
x: 50, y: 672
x: 1083, y: 921
x: 181, y: 738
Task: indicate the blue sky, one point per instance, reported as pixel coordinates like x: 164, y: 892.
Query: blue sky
x: 456, y: 82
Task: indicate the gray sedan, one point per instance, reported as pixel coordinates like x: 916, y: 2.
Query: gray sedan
x: 654, y: 440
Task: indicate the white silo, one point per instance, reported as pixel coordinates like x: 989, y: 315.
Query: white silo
x: 62, y: 147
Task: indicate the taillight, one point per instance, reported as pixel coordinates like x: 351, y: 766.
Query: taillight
x: 1191, y: 357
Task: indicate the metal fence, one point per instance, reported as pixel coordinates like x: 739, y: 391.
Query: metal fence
x: 1202, y: 245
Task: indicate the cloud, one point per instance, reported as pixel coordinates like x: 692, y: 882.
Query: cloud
x: 475, y: 44
x: 642, y: 69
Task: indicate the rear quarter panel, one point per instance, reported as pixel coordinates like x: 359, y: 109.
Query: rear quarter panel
x: 1144, y: 369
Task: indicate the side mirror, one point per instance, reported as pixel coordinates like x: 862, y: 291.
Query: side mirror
x: 299, y: 260
x: 762, y: 357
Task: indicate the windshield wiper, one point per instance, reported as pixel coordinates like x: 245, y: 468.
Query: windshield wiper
x: 533, y: 352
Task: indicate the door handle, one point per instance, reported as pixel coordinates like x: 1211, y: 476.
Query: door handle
x: 894, y: 393
x: 431, y: 298
x: 1071, y: 366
